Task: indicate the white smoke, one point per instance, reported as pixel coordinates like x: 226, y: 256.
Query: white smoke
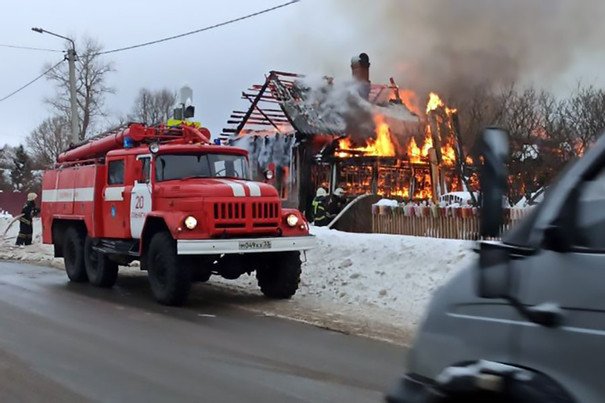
x: 339, y: 106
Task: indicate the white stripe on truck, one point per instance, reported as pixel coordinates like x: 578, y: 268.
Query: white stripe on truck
x: 84, y: 194
x: 68, y: 195
x: 253, y: 187
x: 238, y: 189
x: 114, y: 193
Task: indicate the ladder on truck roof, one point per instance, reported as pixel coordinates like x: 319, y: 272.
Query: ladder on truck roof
x: 96, y: 147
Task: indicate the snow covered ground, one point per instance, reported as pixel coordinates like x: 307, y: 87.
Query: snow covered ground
x: 371, y: 284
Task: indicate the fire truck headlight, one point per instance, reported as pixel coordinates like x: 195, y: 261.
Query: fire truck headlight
x: 292, y: 220
x: 190, y: 222
x: 269, y: 174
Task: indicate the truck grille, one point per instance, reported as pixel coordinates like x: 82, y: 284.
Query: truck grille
x: 229, y: 211
x: 261, y: 214
x: 265, y: 210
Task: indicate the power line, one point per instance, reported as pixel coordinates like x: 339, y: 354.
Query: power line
x: 31, y: 82
x: 201, y: 29
x: 29, y: 48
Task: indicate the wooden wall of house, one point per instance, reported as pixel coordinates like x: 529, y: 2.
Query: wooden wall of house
x: 359, y: 217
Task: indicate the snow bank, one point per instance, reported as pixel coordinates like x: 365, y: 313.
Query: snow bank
x: 376, y: 279
x: 37, y: 252
x: 387, y: 202
x: 371, y: 284
x: 390, y: 271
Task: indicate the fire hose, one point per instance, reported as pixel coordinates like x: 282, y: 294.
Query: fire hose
x: 347, y: 207
x: 10, y: 224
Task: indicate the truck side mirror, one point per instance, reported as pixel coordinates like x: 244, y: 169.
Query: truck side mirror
x: 494, y: 149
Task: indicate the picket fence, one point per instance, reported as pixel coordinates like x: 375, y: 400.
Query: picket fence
x: 435, y: 221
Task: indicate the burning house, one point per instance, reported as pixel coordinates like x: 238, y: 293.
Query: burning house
x: 361, y: 136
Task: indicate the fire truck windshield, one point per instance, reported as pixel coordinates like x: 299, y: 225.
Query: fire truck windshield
x: 186, y: 166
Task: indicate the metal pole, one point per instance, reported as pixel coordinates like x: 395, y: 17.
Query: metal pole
x: 71, y: 58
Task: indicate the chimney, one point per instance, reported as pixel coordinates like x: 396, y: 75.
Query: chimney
x: 360, y: 68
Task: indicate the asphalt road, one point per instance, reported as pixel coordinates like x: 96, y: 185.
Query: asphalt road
x: 65, y: 342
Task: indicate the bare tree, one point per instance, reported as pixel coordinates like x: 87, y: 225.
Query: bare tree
x: 48, y: 140
x: 545, y: 132
x: 153, y: 106
x: 584, y: 117
x: 91, y: 77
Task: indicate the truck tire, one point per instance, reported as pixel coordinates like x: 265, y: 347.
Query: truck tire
x: 73, y: 255
x: 101, y: 271
x: 279, y: 275
x: 170, y: 281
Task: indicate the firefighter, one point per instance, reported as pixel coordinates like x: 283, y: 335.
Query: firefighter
x: 338, y: 201
x: 319, y: 211
x: 26, y: 227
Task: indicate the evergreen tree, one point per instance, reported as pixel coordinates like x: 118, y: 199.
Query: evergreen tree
x: 21, y: 174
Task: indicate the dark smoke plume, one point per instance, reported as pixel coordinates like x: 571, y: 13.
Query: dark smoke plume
x: 453, y: 45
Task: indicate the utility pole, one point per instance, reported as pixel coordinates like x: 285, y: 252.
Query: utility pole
x: 71, y: 59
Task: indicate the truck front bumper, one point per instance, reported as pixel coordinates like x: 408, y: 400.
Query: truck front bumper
x: 244, y: 245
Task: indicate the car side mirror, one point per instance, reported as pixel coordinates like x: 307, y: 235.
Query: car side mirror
x: 494, y: 149
x: 495, y: 280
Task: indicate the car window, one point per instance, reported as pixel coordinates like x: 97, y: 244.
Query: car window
x: 590, y: 219
x: 146, y: 168
x: 178, y: 166
x: 115, y: 174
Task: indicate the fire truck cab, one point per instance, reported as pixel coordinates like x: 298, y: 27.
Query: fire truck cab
x: 181, y: 206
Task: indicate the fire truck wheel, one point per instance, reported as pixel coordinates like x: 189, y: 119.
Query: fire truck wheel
x: 170, y: 281
x: 73, y: 255
x: 101, y: 271
x: 279, y: 275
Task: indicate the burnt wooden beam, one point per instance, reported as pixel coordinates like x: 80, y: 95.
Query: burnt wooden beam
x: 259, y: 95
x: 254, y: 102
x: 284, y: 73
x: 255, y: 106
x: 256, y: 113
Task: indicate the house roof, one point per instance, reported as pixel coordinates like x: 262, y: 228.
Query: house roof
x: 284, y: 103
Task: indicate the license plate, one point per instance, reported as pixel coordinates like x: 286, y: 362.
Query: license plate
x: 251, y: 245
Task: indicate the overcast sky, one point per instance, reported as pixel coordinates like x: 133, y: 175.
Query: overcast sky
x: 313, y: 37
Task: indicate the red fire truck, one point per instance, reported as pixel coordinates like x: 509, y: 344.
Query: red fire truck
x: 181, y: 206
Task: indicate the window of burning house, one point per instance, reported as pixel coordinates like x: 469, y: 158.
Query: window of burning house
x: 320, y: 176
x: 391, y: 183
x: 181, y: 166
x: 395, y: 179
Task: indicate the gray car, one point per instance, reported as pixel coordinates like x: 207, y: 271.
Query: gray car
x: 526, y: 321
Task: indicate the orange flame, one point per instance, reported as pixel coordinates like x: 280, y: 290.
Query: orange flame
x: 428, y: 142
x: 434, y: 102
x: 381, y: 146
x: 420, y: 154
x: 414, y: 152
x: 448, y: 155
x: 410, y: 100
